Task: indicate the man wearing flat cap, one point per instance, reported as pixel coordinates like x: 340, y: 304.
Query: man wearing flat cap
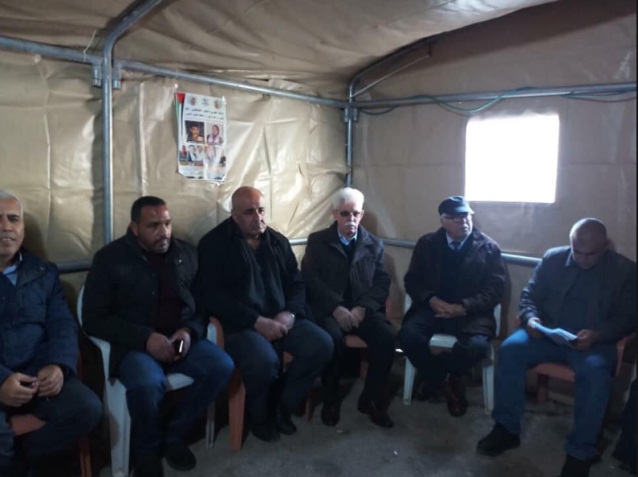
x: 455, y: 280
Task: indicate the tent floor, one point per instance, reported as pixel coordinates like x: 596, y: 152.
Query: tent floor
x: 425, y: 441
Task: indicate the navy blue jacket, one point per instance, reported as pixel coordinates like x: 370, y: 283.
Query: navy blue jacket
x: 611, y: 312
x: 36, y: 326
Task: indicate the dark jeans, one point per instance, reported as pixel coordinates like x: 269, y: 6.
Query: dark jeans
x: 376, y: 331
x: 259, y: 362
x: 69, y: 415
x: 414, y: 337
x: 593, y: 369
x: 145, y: 381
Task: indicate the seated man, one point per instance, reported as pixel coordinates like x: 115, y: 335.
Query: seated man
x: 38, y: 356
x: 137, y: 297
x: 249, y: 280
x: 455, y: 279
x: 590, y: 291
x: 347, y: 288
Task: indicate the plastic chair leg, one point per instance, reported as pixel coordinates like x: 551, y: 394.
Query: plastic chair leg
x: 210, y: 426
x: 120, y: 429
x: 408, y: 382
x: 488, y: 388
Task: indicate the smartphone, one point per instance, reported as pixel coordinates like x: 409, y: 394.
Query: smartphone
x: 179, y: 346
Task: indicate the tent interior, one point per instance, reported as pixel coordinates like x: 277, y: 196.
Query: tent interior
x: 376, y: 94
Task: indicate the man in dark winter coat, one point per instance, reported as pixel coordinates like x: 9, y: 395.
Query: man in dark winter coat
x: 348, y: 285
x: 138, y: 297
x: 39, y: 388
x: 455, y: 280
x: 248, y: 279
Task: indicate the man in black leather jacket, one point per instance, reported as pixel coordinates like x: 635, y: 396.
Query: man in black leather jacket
x: 137, y: 297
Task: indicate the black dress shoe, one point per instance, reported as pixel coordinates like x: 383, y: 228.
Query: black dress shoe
x: 574, y: 467
x: 284, y: 421
x: 429, y: 392
x: 179, y: 456
x: 331, y: 413
x: 498, y: 441
x: 148, y: 465
x: 377, y: 415
x: 454, y: 389
x: 265, y: 431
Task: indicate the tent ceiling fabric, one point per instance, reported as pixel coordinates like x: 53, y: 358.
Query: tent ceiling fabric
x: 310, y: 42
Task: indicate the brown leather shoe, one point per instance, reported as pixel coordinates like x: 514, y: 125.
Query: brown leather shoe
x: 454, y: 389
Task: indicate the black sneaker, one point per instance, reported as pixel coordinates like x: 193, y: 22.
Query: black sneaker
x: 284, y: 421
x: 265, y: 431
x: 148, y: 465
x: 574, y: 467
x: 498, y: 441
x: 179, y: 456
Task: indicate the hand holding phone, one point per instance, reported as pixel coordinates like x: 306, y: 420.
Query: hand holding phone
x: 179, y: 347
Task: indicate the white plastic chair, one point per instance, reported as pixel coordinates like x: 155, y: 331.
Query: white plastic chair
x: 114, y: 402
x: 445, y: 341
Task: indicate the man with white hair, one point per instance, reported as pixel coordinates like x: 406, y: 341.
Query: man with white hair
x: 39, y: 389
x: 590, y: 291
x: 347, y: 286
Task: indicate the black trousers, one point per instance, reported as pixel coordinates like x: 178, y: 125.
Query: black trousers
x: 377, y: 332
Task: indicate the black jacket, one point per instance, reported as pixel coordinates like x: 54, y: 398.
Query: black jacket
x: 327, y: 273
x: 122, y: 287
x: 225, y: 272
x: 482, y: 280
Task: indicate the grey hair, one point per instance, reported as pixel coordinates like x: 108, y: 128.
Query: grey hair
x: 347, y: 194
x: 4, y: 195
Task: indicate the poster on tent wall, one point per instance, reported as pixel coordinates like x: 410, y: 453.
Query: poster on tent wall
x: 201, y: 124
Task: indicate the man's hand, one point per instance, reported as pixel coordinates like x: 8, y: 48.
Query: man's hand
x: 359, y: 313
x: 184, y: 335
x: 51, y: 380
x: 15, y: 394
x: 285, y: 318
x: 344, y: 318
x: 443, y: 309
x: 529, y: 327
x: 586, y: 338
x: 160, y: 348
x: 270, y: 329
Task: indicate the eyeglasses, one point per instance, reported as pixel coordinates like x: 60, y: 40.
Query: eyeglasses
x: 347, y: 213
x: 457, y: 218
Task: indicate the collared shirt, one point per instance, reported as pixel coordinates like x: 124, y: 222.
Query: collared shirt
x: 346, y: 241
x: 11, y: 272
x: 450, y: 241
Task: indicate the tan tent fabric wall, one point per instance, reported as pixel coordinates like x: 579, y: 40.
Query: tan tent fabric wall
x: 407, y: 161
x: 50, y: 155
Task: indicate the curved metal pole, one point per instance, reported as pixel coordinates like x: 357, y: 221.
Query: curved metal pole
x: 529, y: 92
x: 107, y: 107
x: 352, y: 109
